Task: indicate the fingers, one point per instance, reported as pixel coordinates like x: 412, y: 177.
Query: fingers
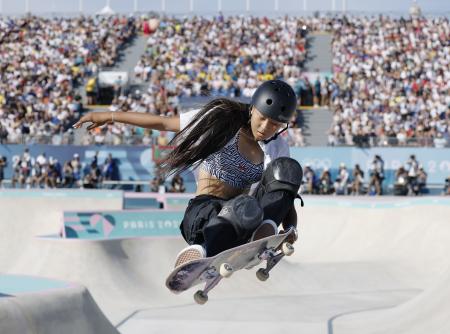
x: 89, y: 118
x: 93, y: 126
x: 81, y: 121
x: 78, y: 124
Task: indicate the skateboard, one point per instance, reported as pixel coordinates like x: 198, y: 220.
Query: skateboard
x: 211, y: 270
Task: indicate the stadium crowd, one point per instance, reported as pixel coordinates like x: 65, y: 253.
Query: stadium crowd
x: 222, y: 56
x: 391, y: 82
x: 390, y: 85
x: 41, y: 63
x: 195, y: 57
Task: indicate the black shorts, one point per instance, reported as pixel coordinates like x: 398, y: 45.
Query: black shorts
x: 203, y: 208
x: 199, y: 211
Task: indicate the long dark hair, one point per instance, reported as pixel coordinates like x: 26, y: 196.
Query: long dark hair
x: 208, y: 132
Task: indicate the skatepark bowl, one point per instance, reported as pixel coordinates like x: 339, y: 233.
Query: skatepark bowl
x: 361, y: 265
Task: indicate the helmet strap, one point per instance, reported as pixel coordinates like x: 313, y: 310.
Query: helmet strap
x: 275, y: 136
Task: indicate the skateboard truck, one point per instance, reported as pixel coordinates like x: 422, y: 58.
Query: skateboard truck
x: 212, y: 278
x: 273, y: 258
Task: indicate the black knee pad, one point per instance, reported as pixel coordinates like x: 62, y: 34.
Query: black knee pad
x: 282, y: 174
x: 244, y: 213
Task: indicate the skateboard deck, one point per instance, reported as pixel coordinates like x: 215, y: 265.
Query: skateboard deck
x: 211, y: 270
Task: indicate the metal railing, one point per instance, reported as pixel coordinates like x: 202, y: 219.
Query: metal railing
x: 129, y: 185
x: 145, y: 186
x: 392, y: 142
x: 132, y: 140
x: 56, y: 139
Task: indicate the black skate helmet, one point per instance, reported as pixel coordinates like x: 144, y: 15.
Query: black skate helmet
x: 276, y: 100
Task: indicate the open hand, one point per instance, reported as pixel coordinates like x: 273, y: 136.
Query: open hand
x: 96, y: 118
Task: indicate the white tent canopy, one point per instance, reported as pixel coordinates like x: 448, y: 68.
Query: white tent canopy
x: 106, y: 11
x: 111, y: 78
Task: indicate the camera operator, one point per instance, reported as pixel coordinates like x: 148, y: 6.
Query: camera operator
x: 412, y: 167
x: 376, y: 171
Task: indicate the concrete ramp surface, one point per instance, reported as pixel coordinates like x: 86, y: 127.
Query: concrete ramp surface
x: 362, y: 265
x: 70, y: 310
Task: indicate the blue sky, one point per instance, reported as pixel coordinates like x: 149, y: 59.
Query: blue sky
x: 234, y: 6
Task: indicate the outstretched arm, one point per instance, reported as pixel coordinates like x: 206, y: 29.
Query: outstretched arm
x: 133, y: 118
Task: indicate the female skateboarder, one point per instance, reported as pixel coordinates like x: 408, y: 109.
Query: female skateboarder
x: 246, y: 184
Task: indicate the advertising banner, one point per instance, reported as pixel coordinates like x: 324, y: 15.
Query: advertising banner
x: 122, y: 224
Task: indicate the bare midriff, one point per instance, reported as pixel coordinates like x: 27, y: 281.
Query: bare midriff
x: 208, y: 184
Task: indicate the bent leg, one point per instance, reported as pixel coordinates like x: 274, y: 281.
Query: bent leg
x: 278, y: 188
x: 233, y: 225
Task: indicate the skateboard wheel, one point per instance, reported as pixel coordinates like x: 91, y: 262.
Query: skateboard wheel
x: 287, y: 249
x: 262, y: 274
x: 225, y: 270
x: 200, y: 297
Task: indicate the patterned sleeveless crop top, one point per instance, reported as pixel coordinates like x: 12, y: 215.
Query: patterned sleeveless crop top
x: 231, y: 167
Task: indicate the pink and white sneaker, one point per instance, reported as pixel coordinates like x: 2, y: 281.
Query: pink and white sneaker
x: 190, y: 253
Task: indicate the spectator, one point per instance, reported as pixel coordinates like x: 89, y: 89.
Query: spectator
x: 96, y: 174
x: 326, y: 184
x: 309, y: 179
x: 91, y: 91
x: 177, y: 184
x: 22, y: 167
x: 68, y: 173
x: 76, y: 167
x: 326, y: 92
x: 117, y: 87
x: 16, y: 170
x: 341, y: 182
x: 295, y: 137
x: 53, y: 177
x: 358, y: 180
x: 376, y: 171
x: 93, y: 177
x: 158, y: 185
x: 110, y: 172
x: 2, y: 169
x: 317, y: 92
x: 421, y: 181
x: 401, y: 185
x: 38, y: 171
x: 447, y: 186
x: 412, y: 167
x: 3, y: 134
